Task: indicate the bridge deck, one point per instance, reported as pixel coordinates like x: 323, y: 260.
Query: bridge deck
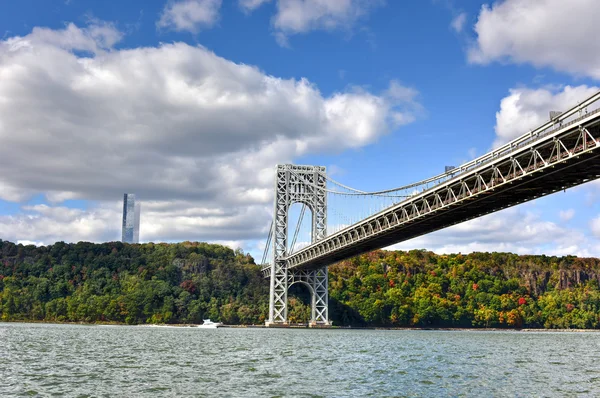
x: 553, y: 161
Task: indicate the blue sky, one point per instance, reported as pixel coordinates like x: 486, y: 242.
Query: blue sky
x: 192, y: 103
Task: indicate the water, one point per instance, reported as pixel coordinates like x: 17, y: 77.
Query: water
x: 71, y: 360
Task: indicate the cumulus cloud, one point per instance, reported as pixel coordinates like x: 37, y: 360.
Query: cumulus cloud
x: 190, y: 15
x: 525, y: 109
x: 553, y: 33
x: 97, y: 37
x: 515, y: 230
x: 42, y: 223
x: 161, y: 221
x: 302, y: 16
x: 195, y: 136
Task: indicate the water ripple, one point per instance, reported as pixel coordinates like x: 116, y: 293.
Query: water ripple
x: 70, y: 360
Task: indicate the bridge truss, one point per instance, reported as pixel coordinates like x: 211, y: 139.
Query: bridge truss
x: 562, y: 153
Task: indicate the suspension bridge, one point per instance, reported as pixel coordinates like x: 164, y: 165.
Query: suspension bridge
x: 560, y: 154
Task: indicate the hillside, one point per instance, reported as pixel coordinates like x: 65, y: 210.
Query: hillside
x: 186, y: 282
x: 116, y: 282
x: 420, y: 288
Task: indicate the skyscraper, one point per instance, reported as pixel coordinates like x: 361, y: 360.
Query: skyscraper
x: 131, y: 219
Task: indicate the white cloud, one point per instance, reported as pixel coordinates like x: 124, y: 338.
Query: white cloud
x: 298, y: 16
x: 554, y: 33
x: 195, y: 136
x: 160, y: 221
x: 97, y: 37
x: 234, y: 244
x: 458, y: 22
x: 251, y: 5
x: 515, y: 230
x: 190, y: 15
x: 29, y: 242
x: 525, y: 109
x: 47, y: 224
x: 566, y: 215
x: 302, y: 16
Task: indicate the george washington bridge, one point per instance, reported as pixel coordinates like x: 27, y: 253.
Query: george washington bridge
x: 562, y: 153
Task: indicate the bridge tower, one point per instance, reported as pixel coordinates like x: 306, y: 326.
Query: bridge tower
x: 306, y: 185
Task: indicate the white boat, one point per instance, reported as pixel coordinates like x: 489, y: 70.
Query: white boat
x: 208, y: 324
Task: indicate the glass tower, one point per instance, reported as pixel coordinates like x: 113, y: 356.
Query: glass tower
x: 131, y: 219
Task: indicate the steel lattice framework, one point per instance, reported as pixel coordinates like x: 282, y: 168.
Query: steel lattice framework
x: 306, y: 185
x: 561, y: 159
x: 560, y: 154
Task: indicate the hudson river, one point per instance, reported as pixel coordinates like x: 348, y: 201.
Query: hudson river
x: 71, y: 360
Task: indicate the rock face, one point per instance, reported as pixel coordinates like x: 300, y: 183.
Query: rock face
x: 191, y: 266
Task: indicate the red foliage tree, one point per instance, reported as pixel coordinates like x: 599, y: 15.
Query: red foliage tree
x: 188, y: 286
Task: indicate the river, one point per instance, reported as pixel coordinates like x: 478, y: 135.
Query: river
x: 74, y: 360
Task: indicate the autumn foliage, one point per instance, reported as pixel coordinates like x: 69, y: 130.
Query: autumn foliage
x: 186, y: 282
x: 421, y: 289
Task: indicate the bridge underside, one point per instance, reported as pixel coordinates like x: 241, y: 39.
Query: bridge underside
x: 561, y: 154
x: 567, y: 173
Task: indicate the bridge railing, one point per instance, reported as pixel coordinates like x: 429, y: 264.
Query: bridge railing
x: 568, y: 118
x: 557, y: 124
x: 561, y: 121
x: 564, y: 149
x: 513, y: 146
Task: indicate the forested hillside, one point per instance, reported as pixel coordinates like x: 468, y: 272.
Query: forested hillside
x: 116, y: 282
x: 186, y: 282
x: 420, y: 288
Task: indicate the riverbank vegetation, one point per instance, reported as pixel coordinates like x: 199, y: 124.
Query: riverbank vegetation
x: 420, y: 288
x: 132, y: 284
x: 186, y: 282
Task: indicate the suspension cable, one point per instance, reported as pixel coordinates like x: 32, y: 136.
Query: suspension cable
x: 344, y: 186
x: 402, y: 188
x: 356, y: 193
x: 268, y: 246
x: 300, y: 219
x: 497, y: 152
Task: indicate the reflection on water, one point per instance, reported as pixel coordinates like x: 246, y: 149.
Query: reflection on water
x: 37, y: 359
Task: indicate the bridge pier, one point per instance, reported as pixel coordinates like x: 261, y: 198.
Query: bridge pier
x: 306, y: 185
x: 317, y: 283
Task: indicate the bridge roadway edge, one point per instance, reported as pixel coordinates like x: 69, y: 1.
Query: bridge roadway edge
x: 510, y: 196
x: 558, y: 155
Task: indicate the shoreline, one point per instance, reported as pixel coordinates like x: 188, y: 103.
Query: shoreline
x: 438, y: 329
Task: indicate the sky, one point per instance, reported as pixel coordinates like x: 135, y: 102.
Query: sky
x: 191, y: 104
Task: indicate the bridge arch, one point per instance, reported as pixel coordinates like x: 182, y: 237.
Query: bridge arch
x: 311, y: 291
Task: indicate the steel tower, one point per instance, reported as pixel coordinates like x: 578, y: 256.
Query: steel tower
x: 306, y: 185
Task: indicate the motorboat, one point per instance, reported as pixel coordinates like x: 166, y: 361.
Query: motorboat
x: 208, y: 324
